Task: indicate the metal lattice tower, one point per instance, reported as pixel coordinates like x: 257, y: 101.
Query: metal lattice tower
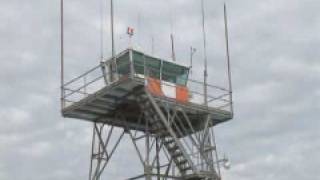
x: 152, y: 101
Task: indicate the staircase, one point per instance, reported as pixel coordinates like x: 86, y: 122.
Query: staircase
x: 158, y: 122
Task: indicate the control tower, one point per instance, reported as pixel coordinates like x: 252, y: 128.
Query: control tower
x: 152, y: 101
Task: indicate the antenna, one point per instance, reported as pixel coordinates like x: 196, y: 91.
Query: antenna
x: 139, y: 30
x: 112, y: 28
x: 173, y: 53
x: 115, y: 68
x: 62, y: 52
x: 101, y: 30
x: 192, y: 52
x: 152, y: 45
x: 172, y: 48
x: 228, y: 56
x: 102, y: 64
x: 205, y: 54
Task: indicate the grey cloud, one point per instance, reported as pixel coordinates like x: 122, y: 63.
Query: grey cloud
x: 276, y: 74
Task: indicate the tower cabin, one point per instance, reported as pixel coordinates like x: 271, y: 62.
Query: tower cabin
x: 131, y: 88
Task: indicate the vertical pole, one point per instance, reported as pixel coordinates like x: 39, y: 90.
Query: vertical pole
x: 205, y: 55
x: 152, y: 45
x: 192, y: 51
x: 112, y: 28
x: 158, y: 157
x: 173, y: 54
x: 62, y: 52
x: 139, y: 29
x: 92, y: 151
x: 101, y: 31
x: 147, y: 160
x: 102, y: 64
x: 132, y: 70
x: 191, y: 57
x: 113, y: 43
x: 228, y: 57
x: 85, y: 86
x: 216, y: 152
x: 205, y: 87
x: 172, y: 48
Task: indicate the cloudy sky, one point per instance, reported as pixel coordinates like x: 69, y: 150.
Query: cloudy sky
x: 275, y: 65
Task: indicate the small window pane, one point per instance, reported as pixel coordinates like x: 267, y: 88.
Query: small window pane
x: 153, y: 65
x: 174, y: 73
x: 123, y: 64
x: 138, y: 61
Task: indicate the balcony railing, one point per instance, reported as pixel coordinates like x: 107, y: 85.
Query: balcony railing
x: 106, y: 74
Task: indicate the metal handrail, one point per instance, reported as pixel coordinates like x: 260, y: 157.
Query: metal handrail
x: 209, y: 85
x: 86, y: 85
x: 191, y: 82
x: 82, y: 75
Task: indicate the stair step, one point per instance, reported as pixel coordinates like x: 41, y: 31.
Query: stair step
x: 184, y: 161
x: 140, y: 93
x: 186, y: 168
x: 161, y: 130
x: 173, y: 149
x: 155, y: 122
x: 147, y: 103
x: 154, y: 116
x: 144, y: 102
x: 177, y: 154
x: 163, y: 135
x: 147, y: 109
x: 169, y: 141
x: 158, y: 129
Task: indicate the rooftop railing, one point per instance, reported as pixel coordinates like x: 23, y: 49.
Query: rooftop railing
x: 102, y: 75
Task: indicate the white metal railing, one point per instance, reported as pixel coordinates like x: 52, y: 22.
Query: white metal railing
x: 100, y: 76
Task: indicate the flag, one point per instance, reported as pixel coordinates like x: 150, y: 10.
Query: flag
x: 130, y: 31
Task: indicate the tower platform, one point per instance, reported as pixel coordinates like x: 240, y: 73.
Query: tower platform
x: 117, y: 83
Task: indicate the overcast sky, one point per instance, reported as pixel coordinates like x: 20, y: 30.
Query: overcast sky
x: 275, y: 66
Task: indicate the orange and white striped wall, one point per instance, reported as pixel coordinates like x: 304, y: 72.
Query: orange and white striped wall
x: 167, y: 89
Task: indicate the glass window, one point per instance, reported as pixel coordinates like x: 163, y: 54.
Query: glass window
x: 138, y: 61
x: 123, y: 64
x: 174, y: 73
x: 171, y: 72
x: 153, y: 65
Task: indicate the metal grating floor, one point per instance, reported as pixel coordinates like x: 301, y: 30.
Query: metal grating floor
x: 104, y: 105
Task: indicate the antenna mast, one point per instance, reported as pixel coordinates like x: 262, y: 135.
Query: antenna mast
x: 62, y: 51
x: 228, y: 56
x: 172, y: 48
x: 192, y: 51
x: 173, y: 53
x: 152, y: 45
x: 205, y: 55
x: 112, y: 29
x: 101, y: 31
